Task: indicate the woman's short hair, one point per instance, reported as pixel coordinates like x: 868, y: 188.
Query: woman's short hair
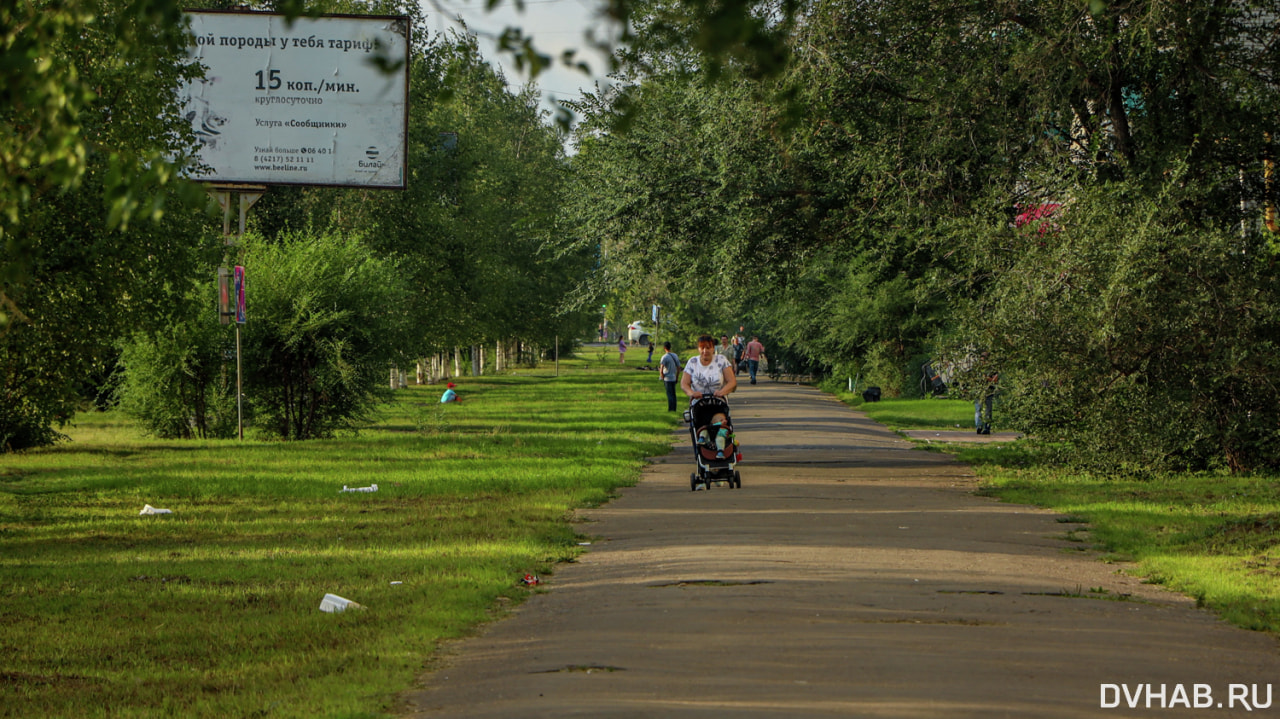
x: 707, y: 339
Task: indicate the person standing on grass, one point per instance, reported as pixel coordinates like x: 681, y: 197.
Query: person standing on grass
x: 649, y: 359
x: 753, y: 353
x: 622, y: 350
x: 669, y: 370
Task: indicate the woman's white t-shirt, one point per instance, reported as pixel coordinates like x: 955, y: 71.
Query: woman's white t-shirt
x: 706, y: 379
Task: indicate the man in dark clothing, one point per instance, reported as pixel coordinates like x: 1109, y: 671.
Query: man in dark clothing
x: 669, y: 369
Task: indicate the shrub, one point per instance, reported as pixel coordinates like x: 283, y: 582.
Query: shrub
x: 1140, y: 336
x: 179, y: 382
x: 326, y: 317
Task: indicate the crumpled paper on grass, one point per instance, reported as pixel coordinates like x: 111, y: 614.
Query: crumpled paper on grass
x: 333, y: 604
x: 148, y: 509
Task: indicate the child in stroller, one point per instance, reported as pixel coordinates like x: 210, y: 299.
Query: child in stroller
x: 715, y: 449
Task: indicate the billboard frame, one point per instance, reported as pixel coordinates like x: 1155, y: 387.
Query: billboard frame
x: 225, y: 184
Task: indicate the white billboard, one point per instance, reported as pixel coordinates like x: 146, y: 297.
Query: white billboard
x: 307, y: 103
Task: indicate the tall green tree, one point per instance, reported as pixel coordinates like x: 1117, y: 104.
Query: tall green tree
x: 77, y: 273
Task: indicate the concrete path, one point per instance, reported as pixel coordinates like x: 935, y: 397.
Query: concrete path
x: 851, y: 576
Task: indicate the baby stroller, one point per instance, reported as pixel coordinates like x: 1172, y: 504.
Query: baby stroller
x: 712, y: 469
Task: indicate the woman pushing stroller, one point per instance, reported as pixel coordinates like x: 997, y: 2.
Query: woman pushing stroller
x: 710, y: 375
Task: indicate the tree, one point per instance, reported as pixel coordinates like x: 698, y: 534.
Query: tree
x: 64, y: 64
x: 473, y: 230
x: 328, y: 318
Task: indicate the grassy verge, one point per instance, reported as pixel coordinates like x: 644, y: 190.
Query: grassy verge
x: 915, y: 413
x: 213, y: 610
x: 1210, y: 536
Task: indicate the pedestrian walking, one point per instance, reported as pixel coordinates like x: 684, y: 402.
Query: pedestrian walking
x: 669, y: 370
x: 985, y: 401
x: 754, y: 352
x: 622, y: 350
x: 725, y: 350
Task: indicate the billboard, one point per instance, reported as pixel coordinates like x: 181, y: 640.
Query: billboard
x: 307, y: 103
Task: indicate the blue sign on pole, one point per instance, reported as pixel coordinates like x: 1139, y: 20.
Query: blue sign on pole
x: 240, y: 306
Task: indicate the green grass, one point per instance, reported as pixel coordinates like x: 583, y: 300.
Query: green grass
x: 899, y: 414
x: 213, y: 610
x: 1214, y: 537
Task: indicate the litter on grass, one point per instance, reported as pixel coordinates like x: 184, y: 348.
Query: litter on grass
x: 370, y: 488
x: 148, y: 509
x: 530, y: 580
x: 333, y: 604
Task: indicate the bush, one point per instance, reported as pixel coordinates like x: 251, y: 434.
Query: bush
x: 1139, y: 336
x: 326, y: 318
x: 179, y: 382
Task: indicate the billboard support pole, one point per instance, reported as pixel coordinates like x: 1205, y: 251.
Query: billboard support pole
x: 248, y: 196
x: 239, y: 390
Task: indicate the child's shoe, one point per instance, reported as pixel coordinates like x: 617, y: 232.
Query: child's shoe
x: 720, y: 454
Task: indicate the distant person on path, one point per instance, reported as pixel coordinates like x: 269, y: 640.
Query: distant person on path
x: 709, y: 372
x: 622, y: 350
x: 754, y: 352
x: 649, y: 359
x: 449, y: 395
x: 739, y: 350
x: 725, y: 349
x: 669, y: 370
x: 985, y: 400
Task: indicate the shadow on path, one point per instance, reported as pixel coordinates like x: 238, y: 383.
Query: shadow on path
x: 850, y: 576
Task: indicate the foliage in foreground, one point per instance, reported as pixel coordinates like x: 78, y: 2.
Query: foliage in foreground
x: 212, y: 611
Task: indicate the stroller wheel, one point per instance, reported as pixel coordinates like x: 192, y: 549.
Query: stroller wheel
x: 737, y: 480
x: 693, y: 482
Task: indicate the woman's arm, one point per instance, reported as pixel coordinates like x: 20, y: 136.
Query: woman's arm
x: 686, y: 384
x: 730, y: 382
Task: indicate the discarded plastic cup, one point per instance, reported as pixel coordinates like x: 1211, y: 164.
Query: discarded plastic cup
x: 333, y: 604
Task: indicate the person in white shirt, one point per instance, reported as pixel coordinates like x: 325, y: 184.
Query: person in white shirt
x: 708, y: 373
x: 712, y: 374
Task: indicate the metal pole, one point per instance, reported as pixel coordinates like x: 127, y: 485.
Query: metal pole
x: 557, y: 355
x: 248, y: 195
x: 239, y: 391
x: 245, y: 203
